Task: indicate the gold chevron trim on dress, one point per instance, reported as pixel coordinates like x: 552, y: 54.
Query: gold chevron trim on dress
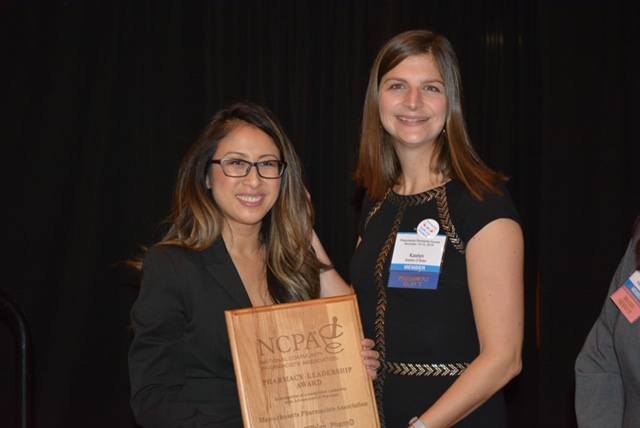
x: 447, y: 224
x: 381, y: 307
x: 412, y: 200
x: 414, y: 369
x: 402, y: 202
x: 376, y: 207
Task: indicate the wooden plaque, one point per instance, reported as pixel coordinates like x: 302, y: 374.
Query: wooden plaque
x: 299, y: 365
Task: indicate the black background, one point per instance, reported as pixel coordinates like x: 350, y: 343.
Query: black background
x: 100, y: 100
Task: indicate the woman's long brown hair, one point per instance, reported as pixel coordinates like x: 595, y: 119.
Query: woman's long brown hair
x: 378, y: 165
x: 196, y: 221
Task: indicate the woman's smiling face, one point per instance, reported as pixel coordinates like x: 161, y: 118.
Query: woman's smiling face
x: 244, y: 201
x: 413, y: 102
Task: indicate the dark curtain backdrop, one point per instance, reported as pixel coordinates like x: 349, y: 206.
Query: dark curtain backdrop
x: 99, y: 100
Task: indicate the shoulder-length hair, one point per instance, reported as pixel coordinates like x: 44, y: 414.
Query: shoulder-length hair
x: 378, y: 166
x: 196, y: 221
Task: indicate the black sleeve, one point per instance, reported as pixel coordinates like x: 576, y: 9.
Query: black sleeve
x: 156, y: 362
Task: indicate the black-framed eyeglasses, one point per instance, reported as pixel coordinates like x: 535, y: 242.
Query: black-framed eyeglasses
x: 240, y: 168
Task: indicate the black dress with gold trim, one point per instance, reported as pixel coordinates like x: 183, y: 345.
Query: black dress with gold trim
x: 426, y: 338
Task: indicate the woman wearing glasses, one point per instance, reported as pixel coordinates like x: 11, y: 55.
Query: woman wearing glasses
x: 240, y: 235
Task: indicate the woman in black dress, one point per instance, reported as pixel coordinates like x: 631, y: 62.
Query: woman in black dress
x: 439, y: 265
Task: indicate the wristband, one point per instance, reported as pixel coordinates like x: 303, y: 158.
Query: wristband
x: 416, y: 423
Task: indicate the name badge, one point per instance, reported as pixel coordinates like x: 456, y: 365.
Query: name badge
x: 627, y: 298
x: 417, y: 259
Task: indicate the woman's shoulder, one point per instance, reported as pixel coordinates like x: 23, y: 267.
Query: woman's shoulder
x: 160, y: 250
x: 168, y: 254
x: 470, y: 214
x: 460, y: 194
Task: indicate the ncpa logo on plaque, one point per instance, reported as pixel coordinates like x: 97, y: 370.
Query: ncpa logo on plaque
x: 299, y: 365
x: 325, y: 337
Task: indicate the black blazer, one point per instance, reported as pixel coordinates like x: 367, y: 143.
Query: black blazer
x: 180, y: 363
